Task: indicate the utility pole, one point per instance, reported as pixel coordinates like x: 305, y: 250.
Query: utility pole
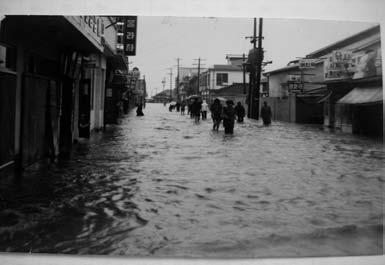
x: 163, y: 83
x: 244, y: 73
x: 170, y: 83
x: 251, y: 96
x: 255, y: 71
x: 177, y: 80
x: 199, y: 70
x: 259, y: 66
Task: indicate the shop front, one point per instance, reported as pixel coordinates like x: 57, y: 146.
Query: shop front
x: 40, y: 89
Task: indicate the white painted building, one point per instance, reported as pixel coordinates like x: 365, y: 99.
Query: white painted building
x: 221, y: 75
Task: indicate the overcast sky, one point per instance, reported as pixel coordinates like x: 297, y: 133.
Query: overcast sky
x: 163, y: 39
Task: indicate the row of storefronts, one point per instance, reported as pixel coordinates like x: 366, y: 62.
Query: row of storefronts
x: 339, y: 86
x: 55, y: 76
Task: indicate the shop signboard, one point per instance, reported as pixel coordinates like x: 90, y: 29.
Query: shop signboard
x: 129, y: 35
x: 294, y: 78
x: 339, y: 65
x: 306, y: 63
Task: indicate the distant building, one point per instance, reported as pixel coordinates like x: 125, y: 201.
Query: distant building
x: 221, y: 75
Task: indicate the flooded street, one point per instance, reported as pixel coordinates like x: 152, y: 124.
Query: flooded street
x: 162, y: 185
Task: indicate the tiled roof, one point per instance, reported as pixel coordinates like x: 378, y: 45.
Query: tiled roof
x: 344, y: 42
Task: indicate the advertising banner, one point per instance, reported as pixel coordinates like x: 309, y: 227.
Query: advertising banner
x: 339, y: 65
x: 368, y: 64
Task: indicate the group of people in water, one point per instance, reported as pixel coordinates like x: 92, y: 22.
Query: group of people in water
x: 228, y: 113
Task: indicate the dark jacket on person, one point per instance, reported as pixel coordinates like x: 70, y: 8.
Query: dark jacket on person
x: 139, y: 111
x: 266, y: 114
x: 228, y: 116
x: 196, y: 108
x: 240, y: 111
x: 216, y: 111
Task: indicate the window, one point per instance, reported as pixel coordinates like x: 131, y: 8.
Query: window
x: 7, y: 57
x: 222, y: 78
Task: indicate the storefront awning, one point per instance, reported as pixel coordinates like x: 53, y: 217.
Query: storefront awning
x: 315, y: 96
x: 324, y: 97
x: 370, y: 95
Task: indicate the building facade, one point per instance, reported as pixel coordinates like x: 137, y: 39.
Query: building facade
x: 353, y: 75
x: 295, y: 92
x: 52, y: 84
x: 342, y: 88
x: 221, y: 75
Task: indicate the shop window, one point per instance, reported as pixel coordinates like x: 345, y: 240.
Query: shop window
x: 7, y: 57
x: 222, y: 78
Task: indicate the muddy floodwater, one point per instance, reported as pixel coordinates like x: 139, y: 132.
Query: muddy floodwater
x: 161, y: 185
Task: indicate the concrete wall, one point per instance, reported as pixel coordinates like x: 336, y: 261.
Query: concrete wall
x: 282, y: 109
x: 275, y: 80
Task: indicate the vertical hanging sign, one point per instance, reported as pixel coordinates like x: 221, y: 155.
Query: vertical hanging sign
x: 129, y: 41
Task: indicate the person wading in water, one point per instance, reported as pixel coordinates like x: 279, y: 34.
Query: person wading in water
x: 216, y: 114
x: 228, y: 117
x: 139, y: 110
x: 196, y: 110
x: 266, y: 114
x: 240, y: 112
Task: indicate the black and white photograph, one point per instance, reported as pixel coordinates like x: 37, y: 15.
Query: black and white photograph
x: 204, y: 137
